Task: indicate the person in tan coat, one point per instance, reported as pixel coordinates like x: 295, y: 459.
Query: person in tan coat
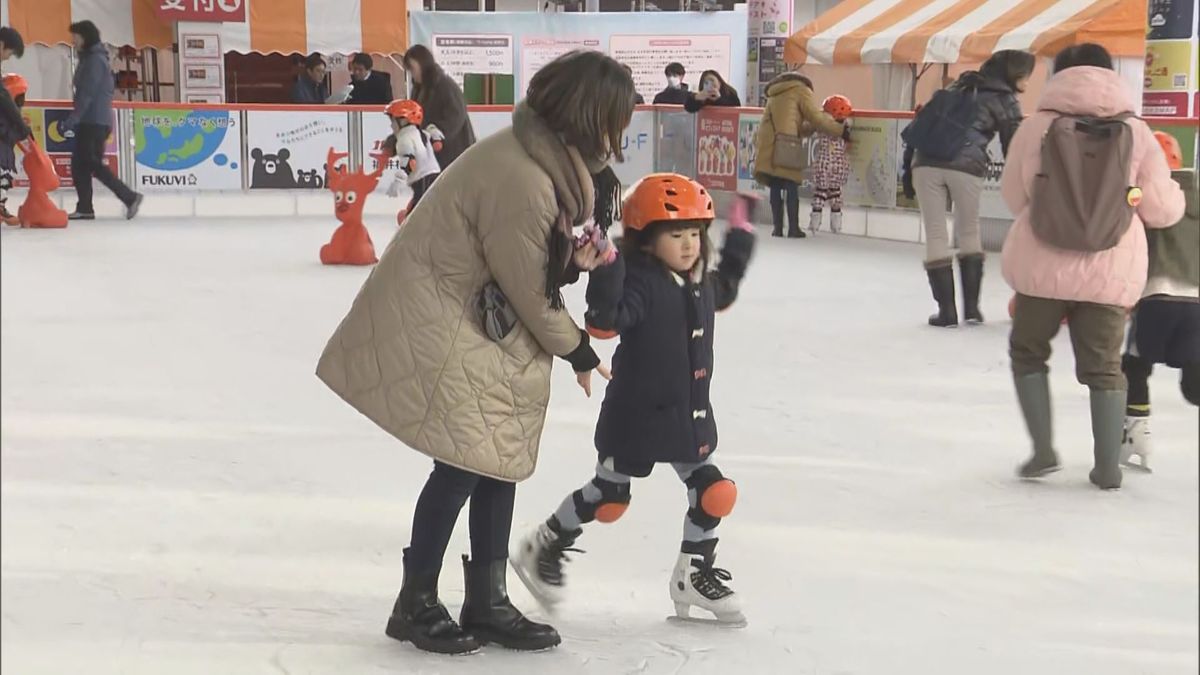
x: 791, y: 110
x: 417, y: 357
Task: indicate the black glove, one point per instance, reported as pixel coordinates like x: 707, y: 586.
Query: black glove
x: 584, y: 358
x: 846, y: 132
x: 906, y: 181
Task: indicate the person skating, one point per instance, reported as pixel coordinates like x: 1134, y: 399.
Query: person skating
x: 414, y: 149
x: 832, y: 168
x: 1165, y: 324
x: 660, y: 297
x: 12, y: 123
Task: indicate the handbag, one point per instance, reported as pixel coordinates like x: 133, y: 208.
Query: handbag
x: 791, y: 152
x: 496, y: 314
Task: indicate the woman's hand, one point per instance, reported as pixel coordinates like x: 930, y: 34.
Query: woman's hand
x: 585, y: 378
x: 588, y: 257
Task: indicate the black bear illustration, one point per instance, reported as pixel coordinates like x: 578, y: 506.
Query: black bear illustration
x: 309, y: 179
x: 272, y: 171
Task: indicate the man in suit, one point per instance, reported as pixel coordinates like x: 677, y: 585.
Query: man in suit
x: 370, y: 87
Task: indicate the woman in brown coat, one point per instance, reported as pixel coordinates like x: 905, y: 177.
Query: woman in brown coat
x: 442, y: 100
x: 414, y: 356
x: 791, y: 110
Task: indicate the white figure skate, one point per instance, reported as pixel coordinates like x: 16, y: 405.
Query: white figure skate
x: 538, y: 561
x: 814, y: 222
x: 1136, y: 443
x: 696, y: 583
x: 835, y: 222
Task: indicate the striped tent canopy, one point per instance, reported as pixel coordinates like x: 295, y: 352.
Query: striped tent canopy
x: 283, y: 26
x: 964, y: 31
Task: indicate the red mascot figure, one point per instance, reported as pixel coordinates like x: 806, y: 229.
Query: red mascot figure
x: 351, y: 244
x: 38, y: 210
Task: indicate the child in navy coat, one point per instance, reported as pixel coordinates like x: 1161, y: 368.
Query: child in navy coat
x: 660, y: 297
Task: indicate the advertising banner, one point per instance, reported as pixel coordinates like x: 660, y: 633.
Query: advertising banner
x: 49, y: 130
x: 187, y: 150
x: 747, y: 150
x: 638, y: 148
x: 1171, y: 19
x: 476, y: 53
x: 873, y: 163
x: 716, y: 148
x: 288, y: 150
x: 540, y: 50
x: 233, y: 11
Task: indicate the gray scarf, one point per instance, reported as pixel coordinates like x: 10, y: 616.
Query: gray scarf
x: 568, y: 171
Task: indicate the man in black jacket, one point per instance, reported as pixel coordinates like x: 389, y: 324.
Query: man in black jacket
x: 370, y: 87
x: 310, y: 86
x: 676, y: 92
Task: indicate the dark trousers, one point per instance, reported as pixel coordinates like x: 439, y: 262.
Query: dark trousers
x: 437, y: 511
x: 779, y: 188
x: 87, y: 161
x: 419, y: 189
x: 1163, y: 330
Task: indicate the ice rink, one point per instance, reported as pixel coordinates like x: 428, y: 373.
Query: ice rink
x: 181, y: 495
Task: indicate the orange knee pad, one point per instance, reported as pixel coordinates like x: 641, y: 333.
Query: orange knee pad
x: 610, y: 512
x: 718, y: 499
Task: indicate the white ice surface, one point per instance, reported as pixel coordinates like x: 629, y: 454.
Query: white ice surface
x: 181, y: 495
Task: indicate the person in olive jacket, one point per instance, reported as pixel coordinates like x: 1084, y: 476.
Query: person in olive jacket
x: 442, y: 100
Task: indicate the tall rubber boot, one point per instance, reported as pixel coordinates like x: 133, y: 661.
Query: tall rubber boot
x: 941, y: 283
x: 420, y: 618
x: 489, y: 615
x: 1033, y: 392
x: 971, y: 269
x: 1108, y: 425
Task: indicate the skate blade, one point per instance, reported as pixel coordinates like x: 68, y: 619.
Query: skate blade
x: 1137, y: 467
x: 730, y: 622
x: 546, y: 603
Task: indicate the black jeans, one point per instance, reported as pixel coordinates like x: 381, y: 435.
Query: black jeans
x: 87, y: 161
x: 437, y: 511
x: 780, y: 187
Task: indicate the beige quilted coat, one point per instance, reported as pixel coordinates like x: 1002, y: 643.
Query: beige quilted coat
x: 411, y: 355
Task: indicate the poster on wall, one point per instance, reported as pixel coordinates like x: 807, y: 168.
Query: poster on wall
x: 873, y: 163
x: 747, y: 150
x: 477, y: 54
x: 716, y: 148
x: 187, y: 150
x: 49, y: 130
x: 770, y: 18
x: 201, y: 68
x: 648, y: 55
x: 1170, y: 78
x: 1171, y: 19
x: 288, y: 149
x: 536, y: 52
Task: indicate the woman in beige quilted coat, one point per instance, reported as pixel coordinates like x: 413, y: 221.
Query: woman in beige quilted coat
x: 413, y: 356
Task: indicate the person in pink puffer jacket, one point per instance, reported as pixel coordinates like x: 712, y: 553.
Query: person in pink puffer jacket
x: 1093, y: 290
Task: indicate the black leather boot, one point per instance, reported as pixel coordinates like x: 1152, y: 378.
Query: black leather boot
x: 488, y: 614
x: 941, y: 282
x: 970, y: 267
x: 418, y: 617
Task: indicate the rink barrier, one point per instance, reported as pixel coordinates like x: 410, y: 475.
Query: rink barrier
x: 714, y: 146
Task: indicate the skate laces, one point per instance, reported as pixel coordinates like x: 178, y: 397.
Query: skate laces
x: 553, y: 555
x: 709, y: 580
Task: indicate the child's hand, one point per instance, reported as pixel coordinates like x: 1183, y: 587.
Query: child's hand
x: 741, y: 214
x: 585, y: 378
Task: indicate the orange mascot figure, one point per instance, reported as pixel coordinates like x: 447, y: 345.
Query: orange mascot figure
x: 351, y: 244
x: 39, y: 211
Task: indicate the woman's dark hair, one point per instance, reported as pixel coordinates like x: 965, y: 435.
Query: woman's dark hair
x: 88, y: 31
x: 588, y: 98
x: 675, y: 69
x: 1009, y: 66
x: 1087, y: 54
x: 12, y: 40
x: 363, y: 60
x: 726, y: 90
x: 313, y: 60
x: 637, y: 242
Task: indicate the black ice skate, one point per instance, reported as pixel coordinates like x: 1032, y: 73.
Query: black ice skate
x: 696, y: 583
x: 538, y: 561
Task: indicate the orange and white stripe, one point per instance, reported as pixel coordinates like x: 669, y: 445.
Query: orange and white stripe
x: 284, y: 26
x: 968, y: 31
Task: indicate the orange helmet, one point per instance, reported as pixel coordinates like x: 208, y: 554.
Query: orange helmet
x: 406, y: 110
x: 838, y: 107
x: 666, y: 196
x: 1171, y: 149
x: 16, y: 85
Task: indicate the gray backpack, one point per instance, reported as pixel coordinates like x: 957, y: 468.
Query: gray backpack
x: 1082, y: 197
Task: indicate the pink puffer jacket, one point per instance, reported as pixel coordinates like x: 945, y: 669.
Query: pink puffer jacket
x: 1118, y: 275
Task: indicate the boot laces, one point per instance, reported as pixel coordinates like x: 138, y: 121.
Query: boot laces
x: 709, y: 580
x: 553, y: 554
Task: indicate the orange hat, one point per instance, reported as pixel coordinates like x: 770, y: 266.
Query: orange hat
x: 1171, y: 149
x: 666, y: 196
x: 406, y: 110
x: 838, y: 107
x: 16, y: 85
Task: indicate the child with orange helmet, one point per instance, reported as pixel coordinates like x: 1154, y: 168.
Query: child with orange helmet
x: 1165, y: 324
x: 12, y: 130
x: 831, y: 168
x: 660, y: 297
x: 413, y: 151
